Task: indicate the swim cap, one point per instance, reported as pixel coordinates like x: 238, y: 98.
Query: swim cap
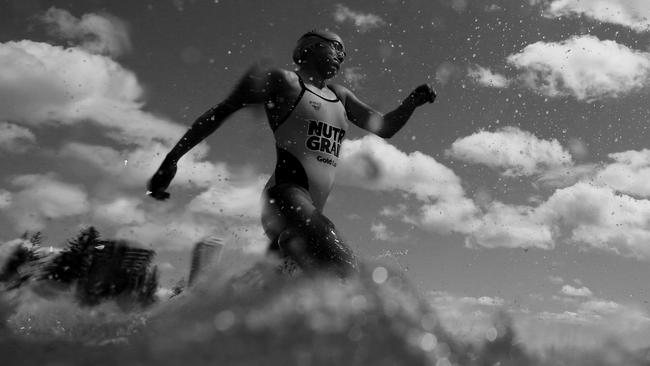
x: 312, y: 37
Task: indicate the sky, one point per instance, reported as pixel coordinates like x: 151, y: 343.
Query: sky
x: 523, y: 187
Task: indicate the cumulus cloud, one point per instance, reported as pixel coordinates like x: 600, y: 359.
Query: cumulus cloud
x: 236, y: 199
x: 600, y: 319
x: 468, y: 317
x: 374, y: 164
x: 229, y: 209
x: 459, y: 5
x: 565, y: 176
x: 441, y: 297
x: 583, y: 214
x: 43, y: 197
x: 447, y: 71
x: 578, y: 292
x: 493, y: 8
x: 364, y: 22
x: 178, y: 229
x: 41, y: 83
x: 633, y: 14
x: 628, y: 173
x: 514, y: 151
x: 381, y: 232
x: 578, y: 148
x: 591, y: 215
x: 14, y: 138
x: 71, y: 86
x: 588, y: 212
x: 175, y: 225
x: 484, y: 76
x: 353, y: 77
x: 510, y: 226
x: 584, y: 67
x: 96, y: 33
x: 587, y: 215
x: 5, y: 199
x: 132, y: 167
x: 121, y: 211
x: 598, y: 217
x: 586, y: 323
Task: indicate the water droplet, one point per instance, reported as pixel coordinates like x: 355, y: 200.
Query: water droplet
x: 224, y: 320
x: 428, y: 342
x: 491, y: 334
x: 379, y: 275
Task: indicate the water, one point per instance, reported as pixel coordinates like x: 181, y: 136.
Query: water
x: 257, y: 317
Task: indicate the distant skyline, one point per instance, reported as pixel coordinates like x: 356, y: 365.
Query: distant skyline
x: 523, y: 187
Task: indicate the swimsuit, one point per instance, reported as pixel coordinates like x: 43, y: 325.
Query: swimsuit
x: 308, y: 142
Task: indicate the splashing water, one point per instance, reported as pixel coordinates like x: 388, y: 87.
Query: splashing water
x: 259, y: 317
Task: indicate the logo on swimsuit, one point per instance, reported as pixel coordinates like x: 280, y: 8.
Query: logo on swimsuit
x: 326, y: 160
x: 324, y: 138
x: 316, y: 105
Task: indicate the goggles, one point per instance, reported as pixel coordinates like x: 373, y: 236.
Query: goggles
x: 335, y: 45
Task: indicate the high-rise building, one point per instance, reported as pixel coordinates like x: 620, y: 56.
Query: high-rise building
x: 205, y: 252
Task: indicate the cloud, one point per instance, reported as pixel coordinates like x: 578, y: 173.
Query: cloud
x: 178, y: 229
x: 41, y: 198
x: 381, y: 232
x: 584, y: 67
x: 578, y: 292
x: 68, y: 87
x: 353, y: 77
x: 596, y: 320
x: 584, y: 214
x: 598, y: 217
x: 486, y: 77
x: 629, y: 173
x: 121, y: 211
x: 459, y: 5
x: 133, y: 167
x: 578, y: 148
x: 235, y: 199
x: 229, y: 208
x: 565, y: 176
x: 493, y: 8
x: 5, y: 199
x: 633, y: 14
x: 364, y: 22
x: 589, y: 323
x: 516, y: 152
x: 587, y: 215
x: 100, y: 34
x: 15, y: 139
x: 45, y: 84
x: 510, y: 226
x: 556, y: 280
x: 447, y: 71
x: 470, y: 318
x: 174, y: 225
x: 590, y: 215
x: 372, y: 163
x: 441, y: 297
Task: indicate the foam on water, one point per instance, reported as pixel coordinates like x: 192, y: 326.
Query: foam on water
x: 258, y: 317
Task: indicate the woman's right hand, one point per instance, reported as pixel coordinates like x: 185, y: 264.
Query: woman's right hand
x: 161, y: 179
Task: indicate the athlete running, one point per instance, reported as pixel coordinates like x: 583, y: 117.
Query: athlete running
x: 309, y: 119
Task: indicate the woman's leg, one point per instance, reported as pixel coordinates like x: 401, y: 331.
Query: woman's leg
x: 300, y: 231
